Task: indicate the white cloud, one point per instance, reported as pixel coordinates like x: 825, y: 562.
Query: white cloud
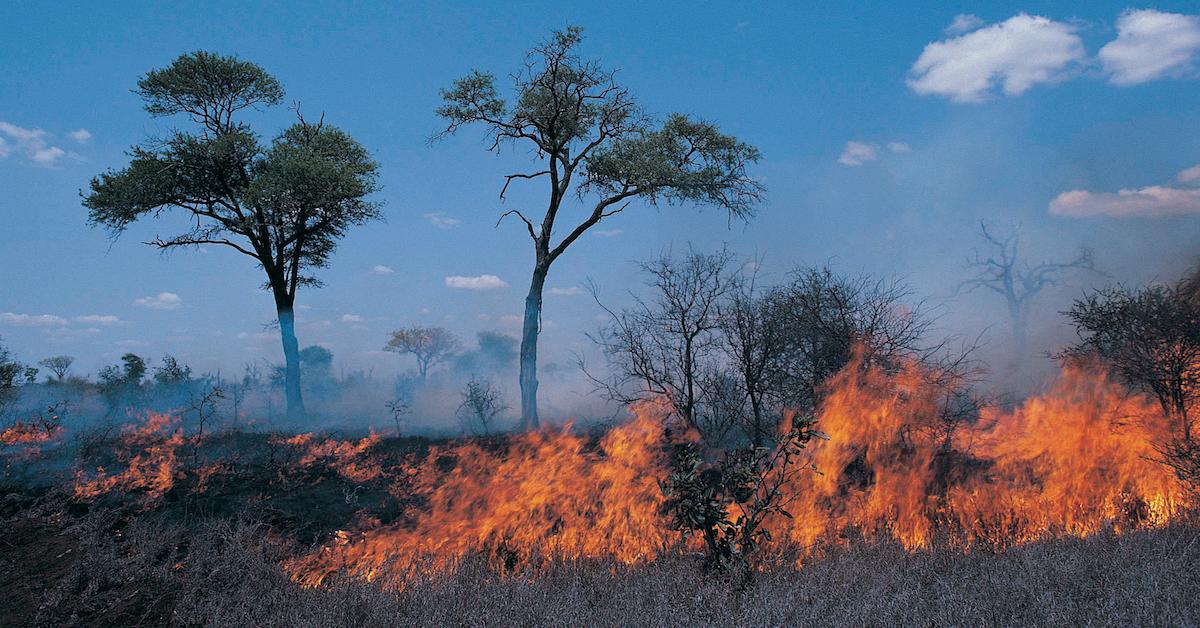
x: 1150, y: 45
x: 1017, y: 54
x: 32, y: 143
x: 858, y: 153
x: 607, y: 233
x: 1191, y: 176
x: 160, y: 301
x: 512, y: 320
x: 442, y: 221
x: 899, y: 147
x: 32, y: 320
x: 481, y: 282
x: 962, y: 23
x: 98, y: 319
x: 380, y: 269
x: 566, y: 292
x: 80, y: 135
x: 351, y: 318
x: 1154, y: 200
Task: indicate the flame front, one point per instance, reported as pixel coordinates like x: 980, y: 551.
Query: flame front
x: 1075, y: 460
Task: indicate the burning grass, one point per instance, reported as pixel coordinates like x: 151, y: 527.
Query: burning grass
x: 385, y: 530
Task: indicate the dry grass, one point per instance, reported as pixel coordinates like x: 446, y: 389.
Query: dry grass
x: 225, y: 573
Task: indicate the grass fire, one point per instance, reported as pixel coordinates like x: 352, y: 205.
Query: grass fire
x: 905, y: 363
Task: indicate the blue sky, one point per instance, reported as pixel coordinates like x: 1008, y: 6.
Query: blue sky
x: 889, y: 130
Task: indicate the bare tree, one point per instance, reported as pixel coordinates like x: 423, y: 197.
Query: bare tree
x: 825, y: 318
x: 60, y: 365
x: 752, y: 334
x: 482, y: 403
x: 670, y: 345
x: 580, y: 124
x: 1002, y: 270
x: 429, y: 345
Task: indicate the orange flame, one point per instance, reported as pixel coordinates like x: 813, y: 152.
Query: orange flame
x: 151, y: 469
x: 1075, y: 460
x: 549, y: 492
x: 348, y: 458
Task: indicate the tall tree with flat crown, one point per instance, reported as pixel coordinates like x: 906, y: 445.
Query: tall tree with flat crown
x: 594, y: 143
x: 285, y: 204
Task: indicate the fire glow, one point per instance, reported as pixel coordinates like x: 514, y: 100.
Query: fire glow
x: 1073, y: 461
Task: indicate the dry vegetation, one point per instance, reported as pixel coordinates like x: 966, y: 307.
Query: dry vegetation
x: 102, y: 570
x: 214, y: 548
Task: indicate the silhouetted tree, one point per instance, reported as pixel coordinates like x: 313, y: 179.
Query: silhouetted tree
x: 285, y: 205
x: 1151, y: 338
x: 13, y: 375
x: 482, y: 403
x: 1003, y: 271
x: 496, y: 352
x: 123, y: 382
x: 670, y: 344
x: 586, y: 128
x: 59, y: 365
x: 429, y: 345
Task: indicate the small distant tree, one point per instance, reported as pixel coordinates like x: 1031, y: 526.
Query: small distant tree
x: 123, y: 382
x: 59, y: 365
x: 172, y: 373
x: 13, y: 375
x: 482, y: 404
x: 429, y: 345
x: 285, y: 205
x: 495, y: 352
x: 1002, y: 270
x: 585, y: 128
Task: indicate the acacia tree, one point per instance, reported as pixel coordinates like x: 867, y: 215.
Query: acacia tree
x: 429, y: 345
x: 592, y: 142
x: 284, y: 205
x: 59, y: 365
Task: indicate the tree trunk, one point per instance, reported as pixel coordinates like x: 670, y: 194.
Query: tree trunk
x: 529, y: 338
x: 291, y: 355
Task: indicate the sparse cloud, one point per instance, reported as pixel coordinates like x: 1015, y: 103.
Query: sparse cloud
x: 32, y: 320
x: 33, y: 143
x: 442, y: 221
x: 963, y: 23
x: 1150, y: 201
x: 607, y: 233
x: 480, y: 282
x: 82, y: 136
x: 1191, y: 176
x: 858, y: 153
x: 1151, y: 45
x: 570, y: 291
x: 160, y: 301
x: 352, y: 318
x: 1014, y: 55
x: 98, y: 319
x: 380, y: 269
x: 899, y: 147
